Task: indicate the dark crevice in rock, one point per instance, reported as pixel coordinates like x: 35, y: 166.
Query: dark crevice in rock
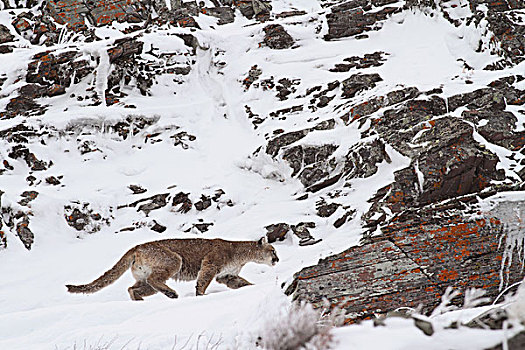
x: 431, y: 280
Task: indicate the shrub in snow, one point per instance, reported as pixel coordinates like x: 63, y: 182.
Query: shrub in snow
x: 201, y: 342
x: 475, y: 297
x: 300, y: 327
x: 446, y: 302
x: 100, y: 344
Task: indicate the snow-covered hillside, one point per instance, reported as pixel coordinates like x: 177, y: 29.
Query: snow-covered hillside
x: 190, y: 123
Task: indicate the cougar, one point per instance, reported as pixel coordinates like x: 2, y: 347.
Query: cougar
x: 153, y: 263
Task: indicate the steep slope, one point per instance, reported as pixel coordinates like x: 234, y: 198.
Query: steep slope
x: 390, y: 134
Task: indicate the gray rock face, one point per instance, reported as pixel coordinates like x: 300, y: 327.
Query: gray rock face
x: 279, y: 142
x: 508, y: 32
x: 427, y: 242
x: 361, y: 161
x: 412, y: 263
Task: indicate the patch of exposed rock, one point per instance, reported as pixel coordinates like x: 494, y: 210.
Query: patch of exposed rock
x: 276, y: 37
x: 5, y: 37
x: 17, y: 219
x: 258, y: 9
x: 279, y: 232
x: 375, y: 59
x: 84, y: 219
x: 355, y: 17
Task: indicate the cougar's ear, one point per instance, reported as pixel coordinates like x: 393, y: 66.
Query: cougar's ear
x: 262, y: 241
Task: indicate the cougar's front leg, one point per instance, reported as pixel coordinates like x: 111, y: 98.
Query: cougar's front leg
x: 206, y: 274
x: 233, y: 281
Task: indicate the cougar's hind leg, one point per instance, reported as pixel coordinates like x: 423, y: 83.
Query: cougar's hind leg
x: 167, y: 265
x: 157, y: 280
x: 139, y: 290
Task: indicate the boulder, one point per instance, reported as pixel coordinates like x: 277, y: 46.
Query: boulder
x: 5, y: 35
x: 277, y: 232
x: 276, y: 37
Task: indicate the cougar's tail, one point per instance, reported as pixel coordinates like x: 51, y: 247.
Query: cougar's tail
x: 108, y: 277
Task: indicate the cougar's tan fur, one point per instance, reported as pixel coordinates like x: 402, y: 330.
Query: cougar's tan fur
x: 153, y: 263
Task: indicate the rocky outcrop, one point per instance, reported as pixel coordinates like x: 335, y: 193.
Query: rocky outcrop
x: 309, y: 163
x: 48, y: 75
x: 507, y: 31
x: 411, y: 264
x: 21, y: 151
x: 225, y: 14
x: 359, y: 82
x: 421, y: 235
x: 5, y: 35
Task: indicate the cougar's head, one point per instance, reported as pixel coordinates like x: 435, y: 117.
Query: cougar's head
x: 267, y: 253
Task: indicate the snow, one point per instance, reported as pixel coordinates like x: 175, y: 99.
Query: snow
x: 36, y: 312
x: 400, y: 334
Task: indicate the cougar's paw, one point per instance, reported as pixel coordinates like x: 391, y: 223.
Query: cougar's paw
x: 171, y: 295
